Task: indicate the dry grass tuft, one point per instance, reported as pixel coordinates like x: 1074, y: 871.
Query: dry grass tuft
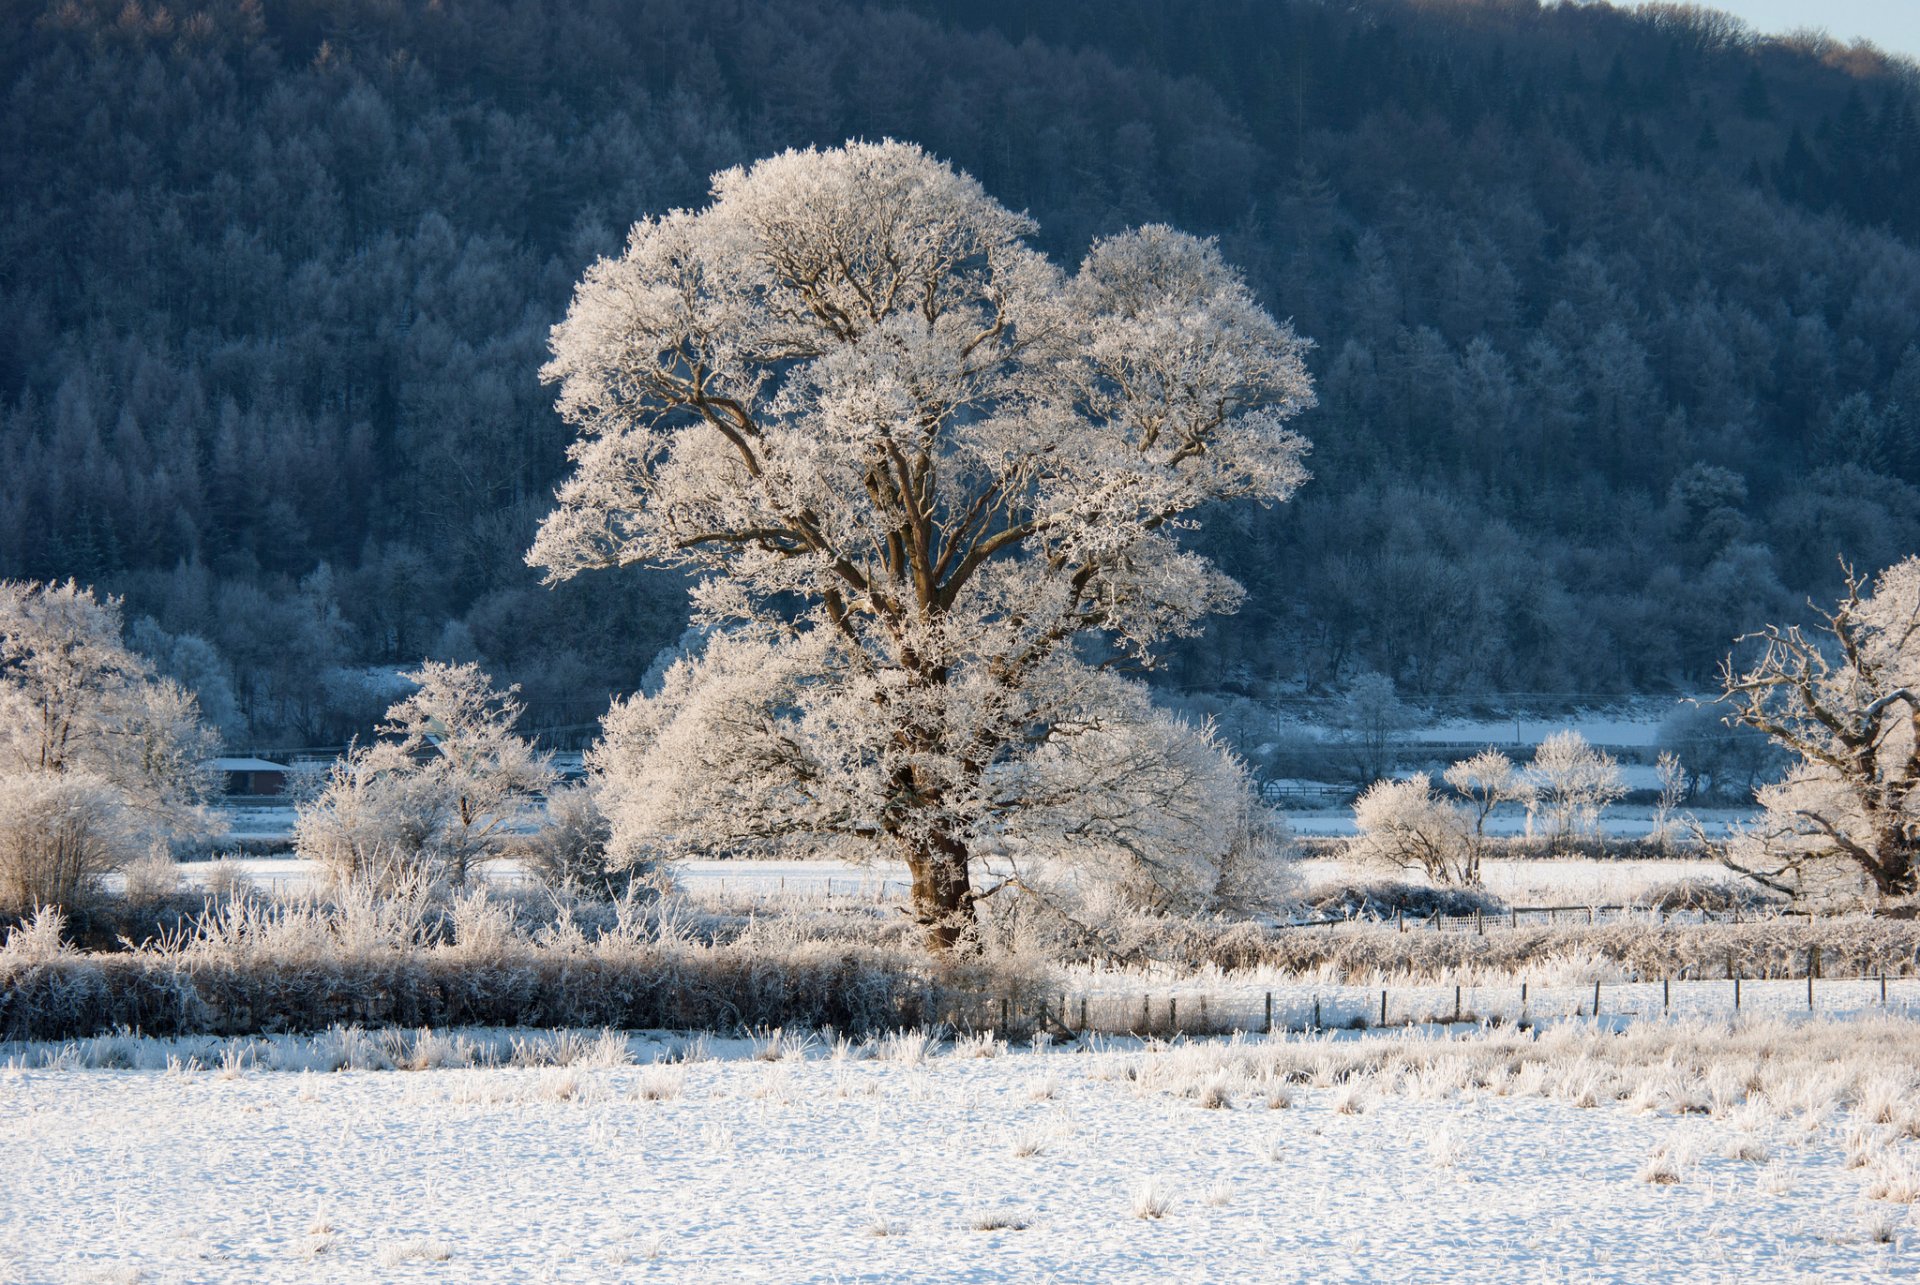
x: 1152, y: 1198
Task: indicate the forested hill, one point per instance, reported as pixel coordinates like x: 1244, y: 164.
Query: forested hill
x: 1617, y: 314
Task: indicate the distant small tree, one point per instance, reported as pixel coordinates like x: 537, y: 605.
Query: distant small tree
x: 1573, y: 783
x: 439, y: 791
x: 1486, y: 781
x: 99, y: 758
x: 1372, y: 716
x: 1674, y: 787
x: 1845, y: 699
x: 1405, y: 825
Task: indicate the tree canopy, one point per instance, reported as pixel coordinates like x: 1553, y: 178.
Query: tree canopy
x: 933, y: 487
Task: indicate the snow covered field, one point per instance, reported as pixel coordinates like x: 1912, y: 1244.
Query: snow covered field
x: 1404, y: 1159
x: 1520, y: 882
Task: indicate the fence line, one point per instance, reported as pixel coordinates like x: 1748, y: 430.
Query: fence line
x: 1514, y: 917
x: 1189, y: 1012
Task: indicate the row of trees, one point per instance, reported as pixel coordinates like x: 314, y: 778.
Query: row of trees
x: 1405, y: 824
x: 103, y: 762
x: 1842, y: 698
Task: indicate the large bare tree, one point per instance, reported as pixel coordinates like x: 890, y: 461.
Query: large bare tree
x: 1843, y: 697
x: 934, y: 486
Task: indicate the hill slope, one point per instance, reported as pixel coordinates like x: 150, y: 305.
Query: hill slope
x: 1618, y: 314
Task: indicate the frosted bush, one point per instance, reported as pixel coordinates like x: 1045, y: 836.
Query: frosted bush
x: 59, y: 833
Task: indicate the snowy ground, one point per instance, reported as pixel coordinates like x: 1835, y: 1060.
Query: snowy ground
x: 1520, y: 882
x: 1574, y: 882
x: 1030, y: 1166
x: 1618, y: 823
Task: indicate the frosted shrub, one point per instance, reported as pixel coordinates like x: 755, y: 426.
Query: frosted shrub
x: 226, y: 879
x: 151, y: 878
x: 570, y: 850
x: 1151, y: 1198
x: 1403, y: 825
x: 906, y: 1048
x: 59, y: 833
x: 37, y: 940
x: 1573, y: 783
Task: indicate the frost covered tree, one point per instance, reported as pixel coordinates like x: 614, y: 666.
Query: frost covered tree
x: 933, y: 485
x: 99, y: 757
x: 438, y: 791
x: 1573, y: 784
x: 1486, y: 781
x: 1404, y: 825
x: 1845, y: 698
x: 1372, y: 716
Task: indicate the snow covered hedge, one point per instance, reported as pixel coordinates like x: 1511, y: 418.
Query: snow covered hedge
x: 272, y: 967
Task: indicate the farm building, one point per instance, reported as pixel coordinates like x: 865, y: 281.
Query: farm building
x: 252, y: 777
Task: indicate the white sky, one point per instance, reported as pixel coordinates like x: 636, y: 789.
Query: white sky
x: 1894, y: 25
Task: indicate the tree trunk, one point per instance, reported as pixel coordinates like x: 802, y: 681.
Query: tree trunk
x: 1893, y: 867
x: 942, y: 893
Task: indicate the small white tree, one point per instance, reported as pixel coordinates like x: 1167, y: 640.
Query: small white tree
x: 99, y: 758
x: 440, y: 790
x: 1486, y: 781
x: 1846, y: 700
x: 1372, y: 717
x: 1404, y: 825
x: 1675, y: 785
x: 930, y: 481
x: 1574, y: 783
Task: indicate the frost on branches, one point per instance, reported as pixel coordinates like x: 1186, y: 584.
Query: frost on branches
x: 1845, y: 697
x: 933, y: 483
x: 99, y: 758
x: 436, y: 795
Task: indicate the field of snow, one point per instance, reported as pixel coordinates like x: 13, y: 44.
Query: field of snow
x: 1572, y: 882
x: 1618, y: 822
x: 1396, y: 1159
x: 1521, y: 882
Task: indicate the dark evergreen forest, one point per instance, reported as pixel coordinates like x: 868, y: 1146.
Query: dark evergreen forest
x: 1618, y: 314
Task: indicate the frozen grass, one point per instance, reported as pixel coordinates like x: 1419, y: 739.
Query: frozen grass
x: 1710, y: 1152
x: 251, y: 964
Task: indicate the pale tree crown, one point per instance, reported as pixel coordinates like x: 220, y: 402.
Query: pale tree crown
x: 929, y: 478
x: 1845, y: 698
x: 74, y: 699
x: 438, y: 793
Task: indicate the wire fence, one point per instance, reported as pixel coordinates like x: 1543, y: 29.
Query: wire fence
x: 1516, y: 917
x: 1183, y: 1011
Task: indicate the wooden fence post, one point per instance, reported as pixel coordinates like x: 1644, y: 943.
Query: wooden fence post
x: 1383, y: 1008
x: 1666, y: 993
x: 1269, y: 1026
x: 1173, y: 1014
x: 1596, y: 998
x: 1456, y: 1002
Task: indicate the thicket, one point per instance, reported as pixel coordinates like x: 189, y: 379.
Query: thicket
x: 255, y: 966
x: 1615, y: 310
